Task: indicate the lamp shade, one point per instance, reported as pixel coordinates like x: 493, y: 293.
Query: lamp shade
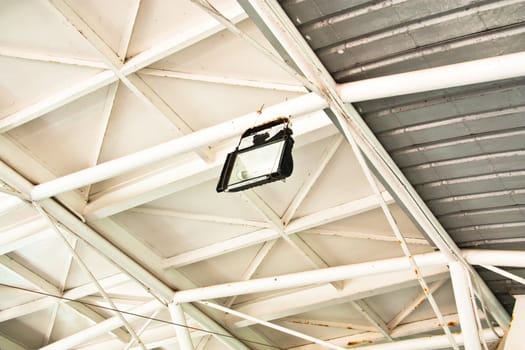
x: 263, y: 155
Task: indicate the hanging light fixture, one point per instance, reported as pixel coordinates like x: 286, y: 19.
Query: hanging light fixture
x: 263, y: 155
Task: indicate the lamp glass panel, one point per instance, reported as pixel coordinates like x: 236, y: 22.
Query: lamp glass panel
x: 256, y: 163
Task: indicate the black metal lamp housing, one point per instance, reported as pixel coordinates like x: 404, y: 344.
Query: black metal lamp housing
x: 263, y: 155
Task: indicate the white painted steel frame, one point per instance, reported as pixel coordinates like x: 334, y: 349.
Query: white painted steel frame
x: 151, y: 283
x: 477, y: 71
x: 344, y: 272
x: 64, y: 101
x: 465, y: 306
x: 354, y: 128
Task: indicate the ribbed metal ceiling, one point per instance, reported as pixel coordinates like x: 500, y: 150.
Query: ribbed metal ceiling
x: 463, y: 149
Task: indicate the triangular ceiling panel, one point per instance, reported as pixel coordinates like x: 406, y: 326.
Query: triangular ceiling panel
x: 54, y: 36
x: 175, y: 235
x: 235, y: 101
x: 342, y: 181
x: 342, y: 250
x: 162, y: 20
x: 374, y: 222
x: 114, y: 30
x: 227, y: 267
x: 213, y: 57
x: 23, y: 327
x: 98, y: 265
x: 280, y: 194
x: 13, y: 297
x: 129, y: 131
x: 53, y: 268
x: 46, y: 79
x: 79, y: 126
x: 228, y: 205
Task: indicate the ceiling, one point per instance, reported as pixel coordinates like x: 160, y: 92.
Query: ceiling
x: 116, y: 118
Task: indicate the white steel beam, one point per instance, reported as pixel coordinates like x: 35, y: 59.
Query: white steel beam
x: 48, y: 57
x: 357, y: 132
x: 75, y: 293
x: 28, y: 275
x: 351, y: 208
x: 253, y: 266
x: 94, y: 317
x: 199, y: 217
x: 500, y: 67
x: 414, y: 304
x: 514, y: 338
x: 339, y: 212
x: 222, y: 80
x: 505, y: 273
x: 311, y: 179
x: 23, y: 234
x: 364, y: 235
x: 223, y: 247
x: 101, y: 328
x: 50, y: 325
x: 179, y: 41
x: 143, y: 328
x: 283, y: 64
x: 330, y: 324
x: 181, y: 328
x: 62, y: 234
x: 139, y: 273
x: 340, y: 273
x: 465, y: 306
x: 99, y: 143
x: 364, y: 309
x: 448, y: 76
x: 273, y: 326
x: 296, y: 242
x: 57, y: 100
x: 201, y: 138
x: 150, y: 187
x: 192, y: 172
x: 366, y: 338
x: 132, y: 81
x: 8, y: 202
x: 301, y: 279
x: 324, y: 295
x: 433, y: 342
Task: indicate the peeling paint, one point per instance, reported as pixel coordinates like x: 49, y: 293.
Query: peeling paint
x: 350, y: 343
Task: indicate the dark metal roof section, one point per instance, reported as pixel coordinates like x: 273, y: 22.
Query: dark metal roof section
x: 463, y: 149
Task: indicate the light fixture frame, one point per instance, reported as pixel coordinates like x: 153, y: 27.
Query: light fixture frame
x: 253, y: 139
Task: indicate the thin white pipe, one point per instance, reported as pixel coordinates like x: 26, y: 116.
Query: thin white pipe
x: 152, y: 284
x: 505, y: 273
x: 395, y: 228
x: 427, y: 343
x: 459, y: 74
x: 462, y: 295
x: 204, y: 137
x: 338, y: 273
x: 444, y: 47
x: 273, y: 326
x: 88, y: 272
x: 509, y: 258
x: 298, y: 49
x: 305, y: 278
x: 143, y: 328
x: 100, y: 328
x: 181, y: 328
x: 478, y: 71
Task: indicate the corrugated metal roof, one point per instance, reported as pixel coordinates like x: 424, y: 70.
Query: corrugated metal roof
x: 463, y: 149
